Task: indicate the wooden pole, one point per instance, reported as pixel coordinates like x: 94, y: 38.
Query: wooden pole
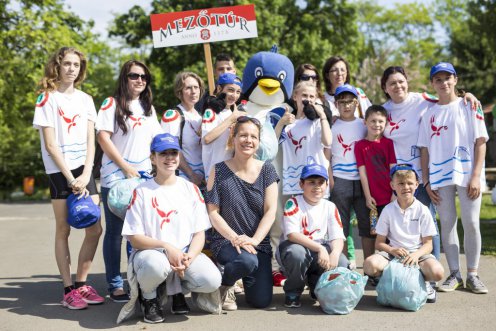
x: 210, y: 70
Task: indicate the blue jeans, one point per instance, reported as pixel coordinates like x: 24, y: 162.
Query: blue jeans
x: 423, y: 197
x: 255, y: 270
x: 112, y: 242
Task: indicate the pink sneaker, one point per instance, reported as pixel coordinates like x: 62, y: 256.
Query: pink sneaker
x: 90, y: 296
x: 74, y: 300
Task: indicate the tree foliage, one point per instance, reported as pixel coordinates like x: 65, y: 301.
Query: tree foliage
x: 30, y: 32
x: 472, y: 30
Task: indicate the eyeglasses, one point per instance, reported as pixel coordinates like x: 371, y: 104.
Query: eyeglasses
x: 244, y: 119
x: 337, y: 70
x: 308, y: 77
x: 135, y: 76
x: 345, y: 103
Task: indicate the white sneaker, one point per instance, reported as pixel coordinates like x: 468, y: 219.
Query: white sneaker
x: 431, y: 293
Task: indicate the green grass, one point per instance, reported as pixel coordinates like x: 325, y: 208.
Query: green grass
x: 487, y: 225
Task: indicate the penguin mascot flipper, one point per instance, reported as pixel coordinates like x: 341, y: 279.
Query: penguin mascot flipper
x: 267, y: 84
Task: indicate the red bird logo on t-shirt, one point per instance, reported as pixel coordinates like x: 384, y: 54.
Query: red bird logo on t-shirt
x: 394, y: 125
x: 304, y: 225
x: 347, y: 148
x: 71, y: 122
x: 166, y: 216
x: 297, y: 143
x: 436, y: 130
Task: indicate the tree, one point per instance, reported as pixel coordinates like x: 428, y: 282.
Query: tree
x: 472, y: 30
x: 404, y: 35
x: 309, y: 31
x: 29, y: 33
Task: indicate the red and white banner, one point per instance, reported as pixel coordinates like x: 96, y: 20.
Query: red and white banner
x: 203, y: 26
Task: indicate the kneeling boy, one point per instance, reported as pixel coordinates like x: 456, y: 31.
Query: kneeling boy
x: 408, y: 225
x: 313, y: 235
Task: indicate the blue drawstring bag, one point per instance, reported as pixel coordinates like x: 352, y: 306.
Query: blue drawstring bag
x: 339, y: 290
x: 401, y: 287
x: 121, y: 193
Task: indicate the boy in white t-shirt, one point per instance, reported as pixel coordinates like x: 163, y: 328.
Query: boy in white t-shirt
x: 216, y: 124
x: 344, y: 179
x: 408, y: 225
x: 312, y: 236
x: 166, y: 224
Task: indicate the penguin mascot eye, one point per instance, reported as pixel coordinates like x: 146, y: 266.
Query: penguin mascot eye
x: 258, y: 72
x: 281, y: 75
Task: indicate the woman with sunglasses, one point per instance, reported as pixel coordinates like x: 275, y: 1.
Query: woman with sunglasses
x: 242, y: 202
x: 126, y: 125
x: 308, y: 72
x: 336, y: 72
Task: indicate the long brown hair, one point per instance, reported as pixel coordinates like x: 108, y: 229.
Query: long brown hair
x: 123, y: 97
x: 49, y: 82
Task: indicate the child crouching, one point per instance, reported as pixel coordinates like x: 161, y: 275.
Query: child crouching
x: 408, y: 226
x: 313, y: 236
x: 166, y: 224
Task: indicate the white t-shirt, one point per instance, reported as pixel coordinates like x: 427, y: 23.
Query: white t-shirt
x: 449, y: 132
x: 303, y: 140
x: 134, y: 147
x: 68, y: 115
x: 320, y: 223
x: 170, y: 213
x: 344, y: 136
x: 191, y: 139
x: 216, y: 151
x: 406, y: 228
x: 403, y: 126
x: 362, y: 99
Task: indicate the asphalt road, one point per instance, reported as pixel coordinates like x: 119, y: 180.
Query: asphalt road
x: 30, y: 294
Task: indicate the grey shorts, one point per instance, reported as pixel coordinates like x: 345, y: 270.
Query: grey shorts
x: 389, y: 257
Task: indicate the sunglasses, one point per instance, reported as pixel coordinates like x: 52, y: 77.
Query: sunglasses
x: 244, y: 119
x: 135, y: 76
x: 308, y: 77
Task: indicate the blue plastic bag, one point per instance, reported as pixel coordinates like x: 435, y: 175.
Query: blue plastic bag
x: 339, y: 290
x: 121, y: 193
x: 267, y: 150
x: 402, y: 287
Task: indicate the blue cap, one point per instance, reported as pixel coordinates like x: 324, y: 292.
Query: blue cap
x: 442, y: 66
x: 229, y: 78
x: 346, y: 88
x: 314, y: 170
x: 403, y: 166
x: 82, y: 212
x: 164, y: 141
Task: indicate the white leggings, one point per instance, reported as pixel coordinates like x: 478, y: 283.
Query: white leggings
x: 470, y: 210
x: 152, y: 268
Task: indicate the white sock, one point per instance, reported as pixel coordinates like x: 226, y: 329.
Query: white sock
x: 471, y: 274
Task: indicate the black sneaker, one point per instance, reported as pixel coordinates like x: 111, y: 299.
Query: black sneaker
x: 292, y: 301
x: 119, y: 298
x: 374, y: 281
x: 153, y: 311
x: 179, y: 305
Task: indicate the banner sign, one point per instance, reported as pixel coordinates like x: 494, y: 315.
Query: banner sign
x: 203, y: 26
